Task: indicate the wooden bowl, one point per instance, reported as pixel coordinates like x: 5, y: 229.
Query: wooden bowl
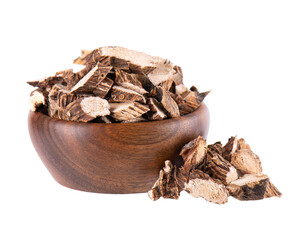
x: 112, y: 158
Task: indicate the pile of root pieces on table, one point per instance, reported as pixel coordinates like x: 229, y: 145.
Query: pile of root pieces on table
x: 117, y: 85
x: 215, y: 172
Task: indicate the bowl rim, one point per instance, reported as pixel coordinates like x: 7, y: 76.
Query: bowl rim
x: 202, y: 109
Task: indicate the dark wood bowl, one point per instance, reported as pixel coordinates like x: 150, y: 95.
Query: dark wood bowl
x: 112, y: 158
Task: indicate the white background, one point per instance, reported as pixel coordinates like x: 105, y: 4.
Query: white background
x: 245, y: 51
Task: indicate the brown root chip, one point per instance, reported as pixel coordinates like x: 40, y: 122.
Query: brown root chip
x: 240, y: 155
x: 127, y: 111
x: 156, y: 110
x: 103, y: 87
x: 193, y: 99
x: 139, y: 61
x: 45, y: 84
x: 89, y: 82
x: 271, y: 191
x: 116, y: 63
x: 167, y: 102
x: 61, y: 96
x: 193, y: 153
x: 87, y: 57
x: 202, y: 185
x: 164, y: 70
x: 58, y: 99
x: 252, y: 187
x: 169, y: 85
x: 221, y: 169
x: 215, y: 148
x: 129, y: 81
x: 166, y: 186
x: 184, y: 108
x: 246, y: 162
x: 180, y: 89
x: 230, y: 148
x: 121, y: 94
x: 37, y: 99
x: 87, y: 109
x: 178, y: 75
x: 69, y: 77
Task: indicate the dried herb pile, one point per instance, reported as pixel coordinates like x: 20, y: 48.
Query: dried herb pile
x: 215, y: 172
x: 116, y: 85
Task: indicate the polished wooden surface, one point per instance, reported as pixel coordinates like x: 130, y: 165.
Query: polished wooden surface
x: 112, y: 158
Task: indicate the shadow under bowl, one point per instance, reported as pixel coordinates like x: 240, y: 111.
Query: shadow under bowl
x: 116, y: 157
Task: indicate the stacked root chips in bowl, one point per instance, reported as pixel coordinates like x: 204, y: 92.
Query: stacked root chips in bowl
x: 116, y: 85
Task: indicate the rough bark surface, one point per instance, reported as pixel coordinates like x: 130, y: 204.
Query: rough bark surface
x: 121, y: 94
x: 127, y: 111
x: 193, y: 153
x: 90, y: 81
x: 166, y: 186
x: 156, y: 110
x: 221, y: 169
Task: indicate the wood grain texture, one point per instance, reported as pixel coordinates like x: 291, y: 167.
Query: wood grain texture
x: 112, y: 158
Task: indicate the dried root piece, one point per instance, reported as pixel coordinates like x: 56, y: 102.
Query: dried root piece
x: 164, y: 70
x: 121, y: 94
x: 184, y: 108
x: 146, y: 83
x: 246, y: 162
x: 69, y: 77
x: 180, y: 89
x: 169, y: 85
x: 271, y: 191
x: 60, y: 96
x: 127, y: 111
x: 193, y: 153
x: 202, y: 185
x: 252, y: 187
x: 90, y: 81
x: 115, y: 63
x: 156, y: 110
x: 192, y: 100
x: 167, y: 102
x: 45, y: 84
x: 139, y: 61
x: 87, y: 109
x: 240, y: 155
x: 37, y: 99
x: 215, y: 148
x: 178, y: 75
x: 221, y: 169
x: 103, y: 87
x: 88, y: 57
x: 166, y: 186
x: 230, y: 148
x: 58, y: 99
x: 129, y: 81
